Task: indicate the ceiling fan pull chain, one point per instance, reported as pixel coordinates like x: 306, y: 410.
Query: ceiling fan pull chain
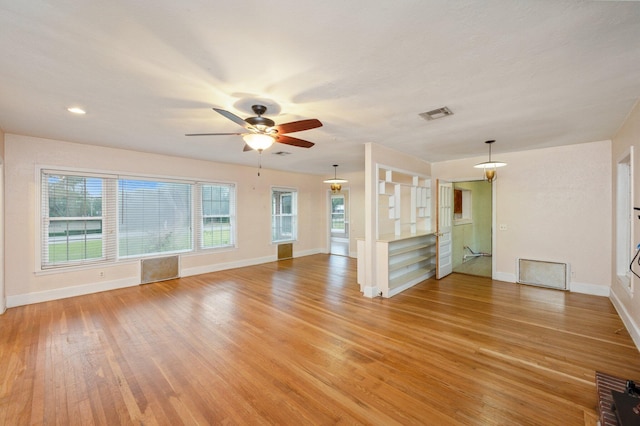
x: 259, y: 161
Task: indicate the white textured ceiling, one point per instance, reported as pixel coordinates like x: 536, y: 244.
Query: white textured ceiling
x: 528, y: 73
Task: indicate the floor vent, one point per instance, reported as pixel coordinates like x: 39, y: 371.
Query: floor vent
x: 159, y: 269
x: 285, y: 251
x: 544, y: 274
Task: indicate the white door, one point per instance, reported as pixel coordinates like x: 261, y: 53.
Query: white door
x: 444, y: 221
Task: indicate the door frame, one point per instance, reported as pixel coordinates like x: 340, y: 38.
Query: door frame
x: 347, y: 220
x: 493, y: 217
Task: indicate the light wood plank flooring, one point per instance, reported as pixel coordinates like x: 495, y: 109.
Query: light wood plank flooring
x: 294, y: 342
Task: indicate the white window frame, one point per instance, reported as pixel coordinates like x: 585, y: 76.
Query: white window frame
x: 624, y: 220
x: 109, y: 225
x: 343, y: 214
x: 107, y: 218
x: 278, y: 217
x: 200, y: 217
x: 192, y: 217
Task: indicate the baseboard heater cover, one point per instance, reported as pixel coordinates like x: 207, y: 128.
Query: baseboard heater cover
x: 285, y: 251
x: 544, y: 274
x: 159, y: 269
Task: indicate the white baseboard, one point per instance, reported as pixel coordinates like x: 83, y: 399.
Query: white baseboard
x: 63, y: 293
x: 629, y: 323
x: 80, y: 290
x: 592, y: 289
x: 205, y: 269
x: 585, y: 288
x: 504, y: 276
x: 307, y: 252
x: 370, y: 292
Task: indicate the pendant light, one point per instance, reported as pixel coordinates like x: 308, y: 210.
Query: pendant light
x: 335, y: 182
x: 490, y: 166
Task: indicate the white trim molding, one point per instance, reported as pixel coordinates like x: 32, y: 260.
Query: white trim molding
x: 627, y: 319
x: 63, y: 293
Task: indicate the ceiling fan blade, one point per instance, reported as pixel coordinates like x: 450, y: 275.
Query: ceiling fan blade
x: 246, y: 148
x: 231, y: 116
x: 211, y: 134
x: 294, y: 141
x: 298, y: 126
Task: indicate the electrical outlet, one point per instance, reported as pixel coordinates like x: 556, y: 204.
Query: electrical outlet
x: 101, y: 274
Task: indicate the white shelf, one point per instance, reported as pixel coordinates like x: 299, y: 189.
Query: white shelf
x: 404, y: 202
x: 404, y: 261
x: 418, y: 274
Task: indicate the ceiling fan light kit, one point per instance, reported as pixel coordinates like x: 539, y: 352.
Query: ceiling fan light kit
x: 490, y: 166
x: 258, y: 141
x: 263, y: 132
x: 336, y: 182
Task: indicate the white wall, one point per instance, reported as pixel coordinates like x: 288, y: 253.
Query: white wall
x: 23, y: 154
x: 556, y: 204
x: 628, y: 305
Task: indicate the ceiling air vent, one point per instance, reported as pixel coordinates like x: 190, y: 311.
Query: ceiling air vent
x: 436, y: 113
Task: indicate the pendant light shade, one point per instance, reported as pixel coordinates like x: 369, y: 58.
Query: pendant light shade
x: 335, y: 182
x: 490, y: 166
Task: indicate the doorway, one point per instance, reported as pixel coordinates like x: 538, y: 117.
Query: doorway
x: 472, y: 233
x: 339, y: 223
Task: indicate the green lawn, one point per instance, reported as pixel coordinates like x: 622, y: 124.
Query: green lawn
x: 92, y: 249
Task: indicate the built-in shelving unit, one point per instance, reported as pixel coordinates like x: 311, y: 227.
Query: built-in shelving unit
x: 404, y: 202
x: 404, y: 261
x: 405, y: 247
x: 402, y: 250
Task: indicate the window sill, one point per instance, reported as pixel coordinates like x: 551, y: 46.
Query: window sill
x: 462, y: 222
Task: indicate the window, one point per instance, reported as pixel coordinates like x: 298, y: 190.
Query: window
x: 337, y: 214
x: 462, y: 201
x: 284, y: 210
x: 153, y: 217
x: 624, y: 221
x: 72, y: 219
x: 90, y: 218
x: 217, y: 210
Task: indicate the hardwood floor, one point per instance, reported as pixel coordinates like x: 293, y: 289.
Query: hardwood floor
x: 294, y: 342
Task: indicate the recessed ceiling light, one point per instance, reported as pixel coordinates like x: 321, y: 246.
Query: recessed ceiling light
x: 76, y: 110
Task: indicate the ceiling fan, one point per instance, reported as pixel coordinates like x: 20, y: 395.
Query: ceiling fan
x: 263, y: 132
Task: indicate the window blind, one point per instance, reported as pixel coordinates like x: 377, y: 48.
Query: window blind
x: 154, y: 217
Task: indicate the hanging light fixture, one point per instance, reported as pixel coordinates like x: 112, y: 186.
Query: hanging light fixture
x: 258, y: 141
x: 490, y: 166
x: 335, y: 182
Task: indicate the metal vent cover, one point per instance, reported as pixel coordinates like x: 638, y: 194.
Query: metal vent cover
x: 436, y: 113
